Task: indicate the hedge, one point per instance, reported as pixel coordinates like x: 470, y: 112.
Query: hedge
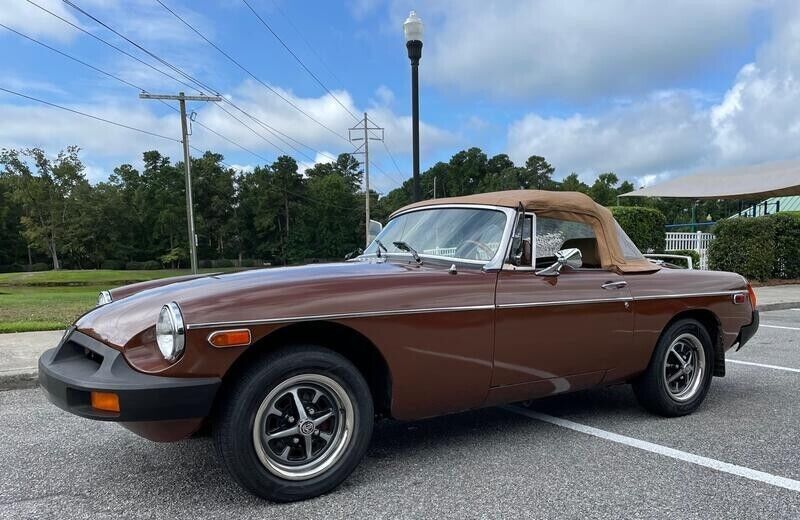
x: 787, y: 244
x: 745, y: 246
x: 645, y: 226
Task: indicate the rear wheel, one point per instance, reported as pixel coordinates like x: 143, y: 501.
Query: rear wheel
x: 295, y: 425
x: 680, y: 370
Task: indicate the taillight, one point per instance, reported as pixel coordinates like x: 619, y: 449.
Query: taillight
x: 752, y: 295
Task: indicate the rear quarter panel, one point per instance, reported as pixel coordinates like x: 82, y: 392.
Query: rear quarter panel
x: 661, y: 296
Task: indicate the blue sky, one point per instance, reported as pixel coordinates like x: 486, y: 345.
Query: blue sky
x: 647, y: 90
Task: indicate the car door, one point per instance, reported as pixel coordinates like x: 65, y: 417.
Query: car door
x: 568, y: 328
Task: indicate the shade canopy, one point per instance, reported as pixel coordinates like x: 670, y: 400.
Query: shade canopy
x: 760, y: 181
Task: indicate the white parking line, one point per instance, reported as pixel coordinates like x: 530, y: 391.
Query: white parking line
x: 762, y: 365
x: 779, y: 327
x: 725, y: 467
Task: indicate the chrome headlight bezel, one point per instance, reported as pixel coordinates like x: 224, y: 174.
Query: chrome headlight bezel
x: 170, y: 332
x: 104, y: 298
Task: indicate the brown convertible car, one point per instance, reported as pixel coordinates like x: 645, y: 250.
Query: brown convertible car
x: 457, y: 304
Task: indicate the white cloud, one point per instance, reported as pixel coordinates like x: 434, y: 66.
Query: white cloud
x: 33, y: 21
x: 675, y: 132
x: 663, y: 133
x: 577, y: 49
x: 29, y: 124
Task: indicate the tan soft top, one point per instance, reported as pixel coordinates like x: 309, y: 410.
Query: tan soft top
x: 564, y: 205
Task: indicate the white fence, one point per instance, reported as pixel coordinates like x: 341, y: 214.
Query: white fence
x: 695, y: 241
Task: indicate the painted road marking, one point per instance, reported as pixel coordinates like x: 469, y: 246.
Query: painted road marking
x: 762, y: 365
x: 779, y: 327
x: 725, y: 467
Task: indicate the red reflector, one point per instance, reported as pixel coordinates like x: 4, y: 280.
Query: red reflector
x: 106, y: 401
x: 739, y: 298
x: 230, y: 338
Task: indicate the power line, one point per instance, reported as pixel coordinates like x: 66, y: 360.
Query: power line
x: 121, y: 125
x: 297, y: 58
x: 141, y: 48
x: 123, y: 51
x: 308, y: 44
x: 137, y: 87
x: 247, y: 71
x: 269, y: 128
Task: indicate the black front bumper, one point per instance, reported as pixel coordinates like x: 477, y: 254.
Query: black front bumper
x: 80, y: 364
x: 748, y: 331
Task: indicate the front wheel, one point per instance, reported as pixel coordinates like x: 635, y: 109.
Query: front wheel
x: 679, y: 374
x: 295, y: 425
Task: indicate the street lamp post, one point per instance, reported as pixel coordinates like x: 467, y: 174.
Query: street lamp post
x: 412, y: 28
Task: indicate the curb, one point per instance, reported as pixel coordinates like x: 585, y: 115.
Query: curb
x: 778, y: 306
x: 19, y: 380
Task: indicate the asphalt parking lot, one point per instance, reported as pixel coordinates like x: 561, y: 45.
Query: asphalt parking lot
x: 604, y: 457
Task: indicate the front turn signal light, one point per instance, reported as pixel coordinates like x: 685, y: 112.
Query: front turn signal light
x: 230, y: 338
x: 106, y: 401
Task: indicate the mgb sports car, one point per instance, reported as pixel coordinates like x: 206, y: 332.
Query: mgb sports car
x: 457, y: 304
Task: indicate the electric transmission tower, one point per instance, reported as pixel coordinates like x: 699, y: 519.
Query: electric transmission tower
x: 362, y: 134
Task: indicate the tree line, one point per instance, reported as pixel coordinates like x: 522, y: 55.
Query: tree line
x: 53, y: 217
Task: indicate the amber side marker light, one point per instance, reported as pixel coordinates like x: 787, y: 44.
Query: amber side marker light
x: 752, y: 294
x: 230, y: 338
x: 105, y: 401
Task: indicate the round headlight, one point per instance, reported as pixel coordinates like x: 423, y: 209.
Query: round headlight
x: 103, y: 298
x: 170, y: 331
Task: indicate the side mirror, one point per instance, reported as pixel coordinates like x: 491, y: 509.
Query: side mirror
x: 566, y: 257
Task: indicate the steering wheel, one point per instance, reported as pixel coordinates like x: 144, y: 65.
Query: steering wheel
x: 480, y: 245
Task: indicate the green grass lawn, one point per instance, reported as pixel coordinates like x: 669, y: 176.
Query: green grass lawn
x: 51, y: 300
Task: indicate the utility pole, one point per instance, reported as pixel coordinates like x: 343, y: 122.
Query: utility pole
x: 434, y: 187
x: 365, y: 145
x: 181, y: 98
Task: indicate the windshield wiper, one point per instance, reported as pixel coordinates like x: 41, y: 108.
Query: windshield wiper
x: 380, y: 246
x: 403, y: 246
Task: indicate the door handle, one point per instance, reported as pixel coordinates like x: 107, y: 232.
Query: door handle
x: 610, y: 286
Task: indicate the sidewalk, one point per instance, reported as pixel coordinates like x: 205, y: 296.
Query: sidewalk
x: 19, y: 353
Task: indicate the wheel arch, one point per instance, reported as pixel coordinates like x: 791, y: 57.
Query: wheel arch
x: 344, y: 340
x: 713, y: 326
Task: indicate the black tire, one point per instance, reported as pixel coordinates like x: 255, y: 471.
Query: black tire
x: 234, y: 434
x: 651, y: 388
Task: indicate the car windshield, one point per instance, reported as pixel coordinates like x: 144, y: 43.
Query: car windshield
x: 460, y: 233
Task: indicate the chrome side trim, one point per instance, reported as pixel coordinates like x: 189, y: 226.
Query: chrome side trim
x: 562, y: 302
x: 690, y: 295
x: 467, y: 308
x: 340, y: 316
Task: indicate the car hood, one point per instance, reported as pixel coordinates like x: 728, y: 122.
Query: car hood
x: 311, y: 290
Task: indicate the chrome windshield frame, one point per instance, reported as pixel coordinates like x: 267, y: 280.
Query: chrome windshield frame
x: 494, y: 263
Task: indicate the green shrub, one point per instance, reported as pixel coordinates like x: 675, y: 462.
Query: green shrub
x: 38, y: 266
x: 248, y: 262
x: 112, y: 264
x: 151, y: 265
x: 204, y: 264
x: 745, y: 246
x: 787, y: 244
x: 223, y: 262
x: 133, y: 265
x: 11, y: 268
x: 645, y: 226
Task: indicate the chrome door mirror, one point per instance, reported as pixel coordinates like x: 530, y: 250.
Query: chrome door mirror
x: 566, y: 257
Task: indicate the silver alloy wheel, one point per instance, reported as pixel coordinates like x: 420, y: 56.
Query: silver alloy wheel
x: 684, y: 367
x: 303, y: 426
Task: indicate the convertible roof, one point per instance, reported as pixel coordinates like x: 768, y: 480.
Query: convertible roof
x: 564, y: 205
